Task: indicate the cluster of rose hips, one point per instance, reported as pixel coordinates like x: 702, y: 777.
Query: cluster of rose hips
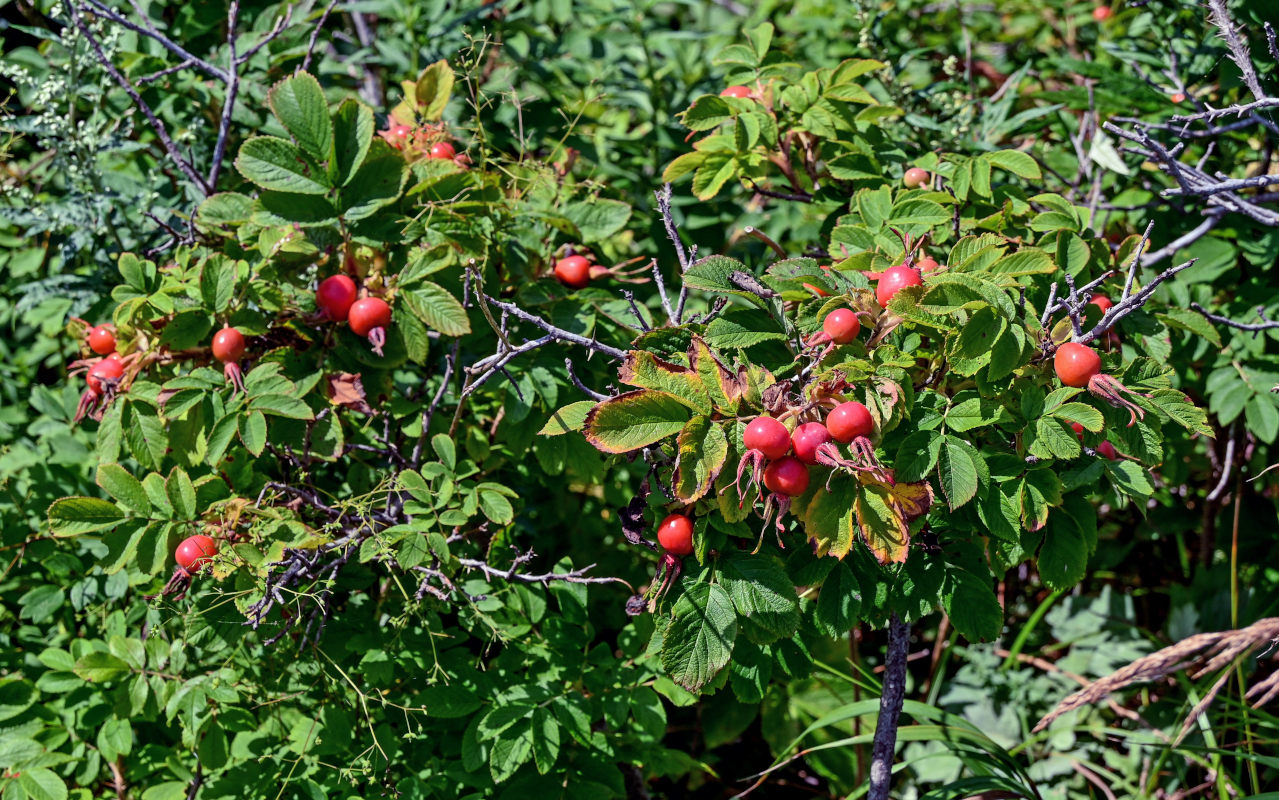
x: 426, y: 141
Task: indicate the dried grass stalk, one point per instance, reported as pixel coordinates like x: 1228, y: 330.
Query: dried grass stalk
x: 1220, y: 650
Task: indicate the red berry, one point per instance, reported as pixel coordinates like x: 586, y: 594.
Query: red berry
x: 1101, y: 301
x: 736, y: 91
x: 195, y: 552
x: 849, y: 420
x: 574, y: 271
x: 1101, y: 13
x: 1076, y: 364
x: 1078, y: 429
x: 894, y: 280
x: 102, y: 340
x: 1179, y: 97
x: 768, y: 436
x: 786, y: 476
x: 927, y: 264
x: 228, y: 345
x: 817, y: 290
x: 110, y: 368
x: 335, y: 296
x: 841, y: 325
x: 443, y: 150
x: 675, y: 535
x: 915, y: 177
x: 807, y: 438
x: 368, y: 314
x: 1107, y: 451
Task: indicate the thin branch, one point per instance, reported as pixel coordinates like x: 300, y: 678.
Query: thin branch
x: 1186, y: 239
x: 161, y: 132
x: 557, y: 333
x: 100, y: 10
x: 1238, y: 47
x: 315, y: 35
x: 572, y: 376
x: 1265, y: 324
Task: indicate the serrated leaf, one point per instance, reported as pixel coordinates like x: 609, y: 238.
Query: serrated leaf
x: 181, y: 493
x: 72, y: 516
x: 703, y: 449
x: 643, y: 369
x: 633, y: 420
x: 377, y: 183
x: 765, y: 599
x: 699, y: 640
x: 98, y: 667
x: 123, y: 488
x: 298, y: 103
x: 352, y: 136
x: 569, y: 418
x: 275, y: 164
x: 437, y: 308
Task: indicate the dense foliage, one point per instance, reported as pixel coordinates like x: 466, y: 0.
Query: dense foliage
x: 388, y: 396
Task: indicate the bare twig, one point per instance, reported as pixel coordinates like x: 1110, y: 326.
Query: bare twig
x: 1265, y: 324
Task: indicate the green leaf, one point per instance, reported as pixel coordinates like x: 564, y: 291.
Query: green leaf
x: 764, y: 597
x: 253, y: 432
x: 839, y: 603
x: 298, y: 103
x: 287, y: 208
x: 352, y: 135
x: 123, y: 488
x: 40, y: 783
x: 511, y: 750
x: 281, y: 405
x: 437, y: 308
x: 970, y: 602
x: 432, y: 90
x: 918, y: 455
x: 181, y: 493
x: 224, y: 209
x: 715, y: 171
x: 1016, y: 162
x: 217, y: 282
x: 707, y: 112
x: 699, y: 639
x: 957, y: 469
x: 449, y: 702
x: 633, y: 420
x: 496, y: 507
x: 187, y: 329
x: 569, y: 418
x: 72, y: 516
x: 273, y: 163
x: 598, y: 219
x: 1063, y: 557
x: 546, y: 740
x: 703, y: 449
x: 99, y: 667
x: 377, y: 183
x: 743, y: 328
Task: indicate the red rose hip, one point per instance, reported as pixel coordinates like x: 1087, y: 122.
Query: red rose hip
x: 768, y: 436
x: 334, y: 297
x: 893, y: 281
x: 841, y: 325
x: 102, y: 340
x: 848, y: 421
x: 807, y: 438
x: 228, y: 345
x: 1076, y: 364
x: 786, y: 476
x: 195, y: 552
x: 675, y: 535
